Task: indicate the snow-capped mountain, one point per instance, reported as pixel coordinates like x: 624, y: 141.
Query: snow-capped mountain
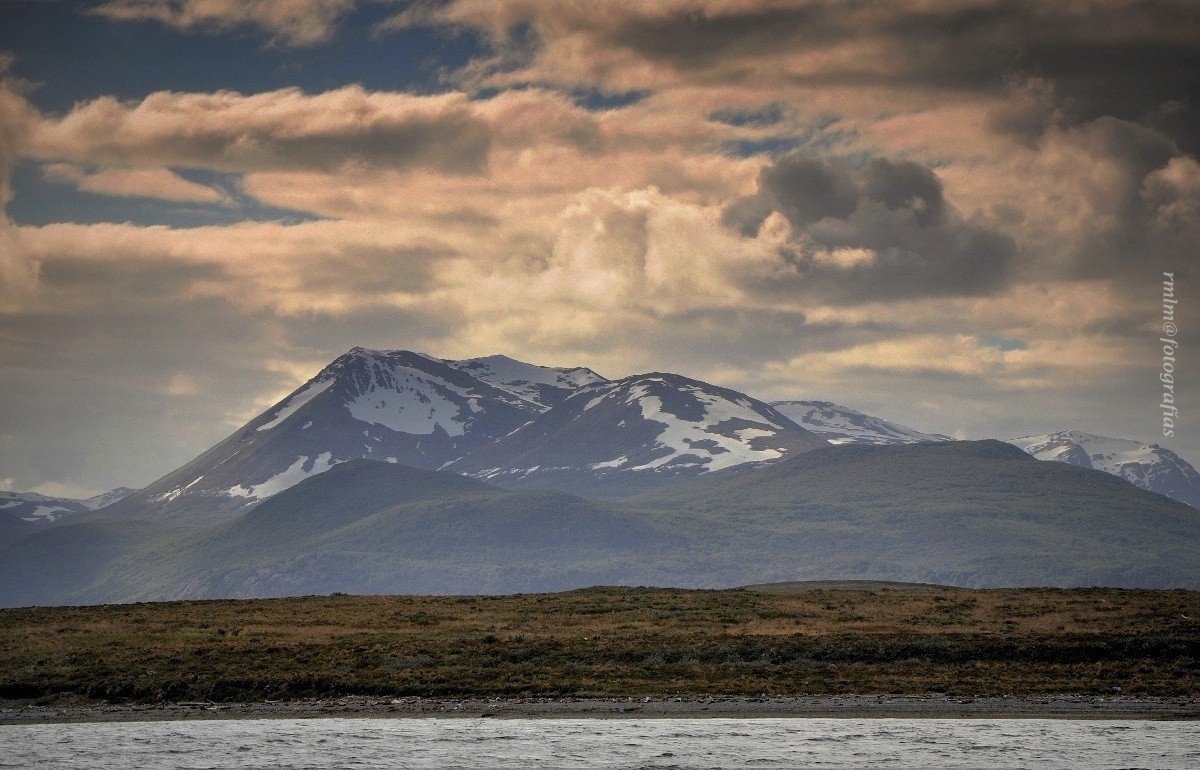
x: 395, y: 406
x: 542, y: 385
x: 108, y: 498
x: 842, y: 425
x: 1150, y: 466
x: 635, y: 433
x: 32, y: 507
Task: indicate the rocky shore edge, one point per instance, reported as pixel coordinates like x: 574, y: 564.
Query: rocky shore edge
x: 844, y: 706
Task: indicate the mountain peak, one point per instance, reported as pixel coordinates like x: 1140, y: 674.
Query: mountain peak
x: 637, y: 432
x: 1150, y: 466
x: 842, y: 425
x: 395, y: 406
x: 543, y: 386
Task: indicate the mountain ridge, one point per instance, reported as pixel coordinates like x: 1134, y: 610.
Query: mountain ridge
x: 1149, y: 466
x: 395, y: 405
x: 839, y: 424
x: 637, y: 432
x: 973, y: 514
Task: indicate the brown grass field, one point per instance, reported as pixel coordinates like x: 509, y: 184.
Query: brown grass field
x: 778, y: 640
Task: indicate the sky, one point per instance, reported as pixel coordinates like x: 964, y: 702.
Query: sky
x: 954, y: 215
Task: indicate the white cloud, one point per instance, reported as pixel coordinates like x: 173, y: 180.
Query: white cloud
x: 286, y: 129
x: 844, y: 258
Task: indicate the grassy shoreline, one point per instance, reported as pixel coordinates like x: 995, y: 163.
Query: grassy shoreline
x: 604, y: 643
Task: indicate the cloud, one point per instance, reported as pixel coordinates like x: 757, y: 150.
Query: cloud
x: 288, y: 22
x: 966, y: 173
x: 884, y: 231
x: 17, y: 117
x: 1172, y: 195
x: 284, y: 129
x: 1103, y: 199
x: 286, y: 270
x: 159, y: 183
x: 611, y: 253
x: 1106, y: 57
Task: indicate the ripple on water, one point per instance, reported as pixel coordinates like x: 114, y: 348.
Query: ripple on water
x: 651, y: 743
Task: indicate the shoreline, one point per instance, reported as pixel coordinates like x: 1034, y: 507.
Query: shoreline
x: 660, y: 707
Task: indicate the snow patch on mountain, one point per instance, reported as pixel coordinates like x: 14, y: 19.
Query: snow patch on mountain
x: 842, y: 425
x: 1106, y: 454
x: 297, y: 400
x: 295, y: 473
x: 35, y: 507
x: 47, y: 513
x: 704, y: 438
x: 414, y: 404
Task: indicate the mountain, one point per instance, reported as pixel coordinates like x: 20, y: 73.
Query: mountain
x: 630, y: 435
x: 41, y: 509
x: 34, y: 508
x: 1149, y: 466
x: 958, y: 513
x: 396, y: 406
x: 394, y: 472
x: 966, y: 513
x: 14, y: 528
x: 25, y: 513
x: 108, y: 498
x: 842, y: 425
x: 541, y: 385
x: 363, y: 527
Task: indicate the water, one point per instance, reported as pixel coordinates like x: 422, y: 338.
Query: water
x: 604, y: 743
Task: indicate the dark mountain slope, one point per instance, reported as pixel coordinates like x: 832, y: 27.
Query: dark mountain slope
x: 962, y: 513
x: 368, y: 527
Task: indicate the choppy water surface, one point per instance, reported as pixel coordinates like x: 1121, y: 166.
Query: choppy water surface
x: 604, y: 743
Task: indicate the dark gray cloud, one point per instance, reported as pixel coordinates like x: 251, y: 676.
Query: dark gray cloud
x: 806, y: 190
x: 884, y: 231
x: 690, y: 39
x: 1142, y: 191
x: 156, y: 279
x: 1133, y: 60
x: 1128, y: 241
